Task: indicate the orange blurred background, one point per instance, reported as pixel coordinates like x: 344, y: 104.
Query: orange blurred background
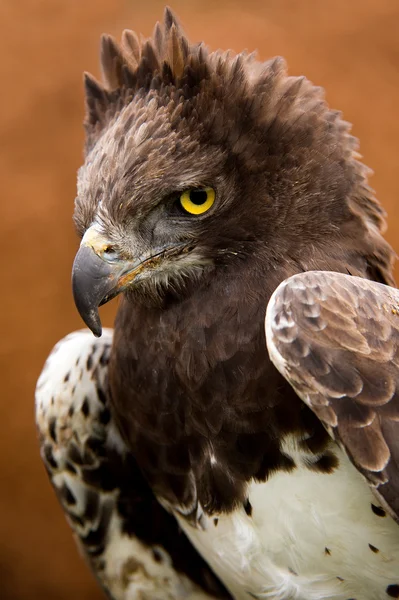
x: 351, y: 47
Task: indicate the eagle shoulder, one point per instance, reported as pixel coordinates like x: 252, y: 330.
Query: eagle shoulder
x: 335, y: 338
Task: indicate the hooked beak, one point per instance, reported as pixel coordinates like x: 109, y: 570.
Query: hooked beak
x: 99, y: 274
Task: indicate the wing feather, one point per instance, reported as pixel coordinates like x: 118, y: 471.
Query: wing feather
x: 335, y: 338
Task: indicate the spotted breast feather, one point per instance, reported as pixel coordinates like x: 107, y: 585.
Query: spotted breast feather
x: 134, y: 547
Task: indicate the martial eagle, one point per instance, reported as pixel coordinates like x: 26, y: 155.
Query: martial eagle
x: 236, y: 435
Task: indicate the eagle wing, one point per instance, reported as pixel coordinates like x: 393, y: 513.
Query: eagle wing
x: 134, y: 547
x: 335, y: 338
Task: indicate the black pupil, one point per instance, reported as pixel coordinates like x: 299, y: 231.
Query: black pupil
x: 198, y: 197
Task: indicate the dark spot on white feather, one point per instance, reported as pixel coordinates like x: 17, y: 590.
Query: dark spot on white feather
x: 373, y: 549
x: 85, y: 407
x: 101, y: 396
x: 49, y: 457
x: 327, y: 463
x: 248, y: 508
x: 215, y: 521
x: 52, y: 429
x: 291, y: 570
x: 68, y: 495
x: 67, y: 376
x: 71, y: 468
x: 393, y: 590
x: 89, y: 362
x: 377, y: 510
x: 340, y: 578
x: 105, y: 356
x: 157, y: 555
x: 104, y: 416
x: 327, y: 551
x: 71, y: 410
x: 52, y: 400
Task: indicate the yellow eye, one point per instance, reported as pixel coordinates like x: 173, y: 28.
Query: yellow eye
x: 198, y: 200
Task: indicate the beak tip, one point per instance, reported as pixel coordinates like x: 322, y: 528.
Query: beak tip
x: 97, y: 332
x: 93, y: 322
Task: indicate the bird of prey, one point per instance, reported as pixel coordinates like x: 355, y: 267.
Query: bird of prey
x: 237, y: 434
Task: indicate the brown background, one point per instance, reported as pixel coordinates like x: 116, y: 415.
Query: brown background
x: 351, y: 47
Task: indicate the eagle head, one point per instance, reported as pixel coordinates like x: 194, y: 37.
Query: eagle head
x: 200, y: 163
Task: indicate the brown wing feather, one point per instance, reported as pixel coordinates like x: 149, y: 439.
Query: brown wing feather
x: 335, y: 338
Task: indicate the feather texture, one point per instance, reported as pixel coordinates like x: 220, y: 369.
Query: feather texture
x: 336, y: 339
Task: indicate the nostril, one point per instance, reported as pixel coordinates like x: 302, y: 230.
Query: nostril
x: 109, y: 253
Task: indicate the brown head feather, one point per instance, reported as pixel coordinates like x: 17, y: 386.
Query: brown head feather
x: 131, y: 47
x: 271, y: 123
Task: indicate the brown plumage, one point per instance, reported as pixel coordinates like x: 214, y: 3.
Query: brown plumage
x: 340, y: 346
x: 275, y: 189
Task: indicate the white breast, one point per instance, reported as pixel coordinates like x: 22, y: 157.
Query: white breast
x: 310, y: 536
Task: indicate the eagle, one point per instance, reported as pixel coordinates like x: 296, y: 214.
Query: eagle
x: 236, y: 435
